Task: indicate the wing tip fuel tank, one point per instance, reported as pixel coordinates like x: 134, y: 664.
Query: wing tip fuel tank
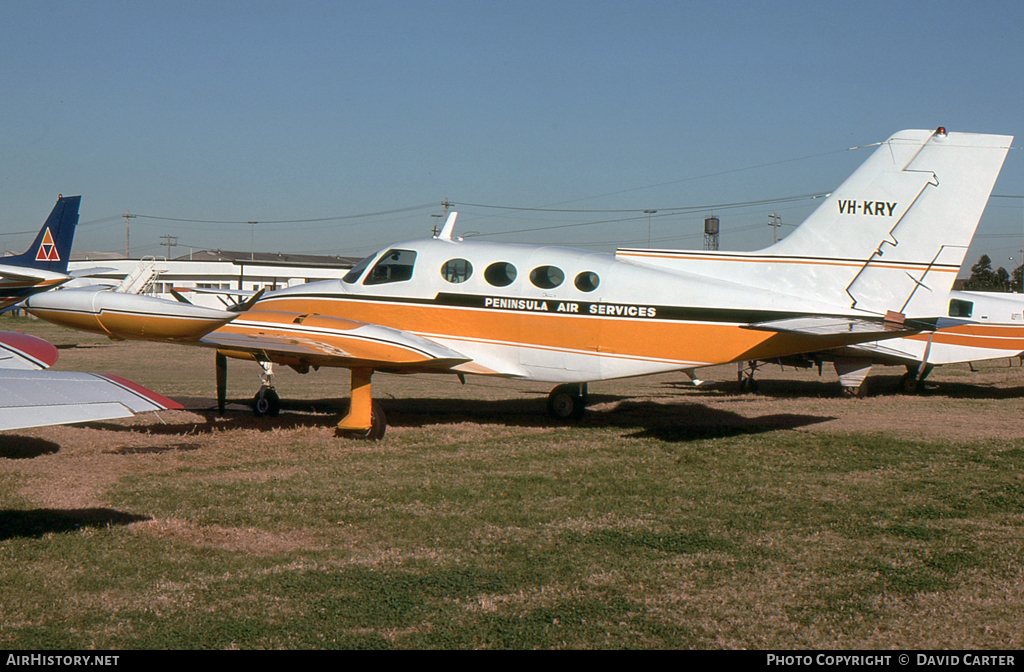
x: 127, y: 316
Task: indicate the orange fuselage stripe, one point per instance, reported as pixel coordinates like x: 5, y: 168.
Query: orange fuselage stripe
x: 996, y: 337
x: 676, y: 341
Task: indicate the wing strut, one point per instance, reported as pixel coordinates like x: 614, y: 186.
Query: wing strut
x: 222, y: 382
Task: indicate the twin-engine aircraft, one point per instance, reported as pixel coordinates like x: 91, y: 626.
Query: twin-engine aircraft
x: 44, y: 266
x: 876, y: 260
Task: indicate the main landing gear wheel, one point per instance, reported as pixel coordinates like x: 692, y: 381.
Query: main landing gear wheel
x: 379, y: 424
x: 567, y: 402
x: 266, y: 402
x: 859, y: 392
x: 908, y: 383
x: 745, y: 375
x: 912, y: 382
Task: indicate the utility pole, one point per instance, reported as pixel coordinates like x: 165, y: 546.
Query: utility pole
x: 649, y: 213
x: 167, y: 241
x: 128, y: 216
x: 447, y: 204
x: 775, y: 222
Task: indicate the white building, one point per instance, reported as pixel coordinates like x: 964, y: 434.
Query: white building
x: 208, y: 269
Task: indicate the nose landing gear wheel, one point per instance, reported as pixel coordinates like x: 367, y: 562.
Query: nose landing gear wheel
x: 266, y: 402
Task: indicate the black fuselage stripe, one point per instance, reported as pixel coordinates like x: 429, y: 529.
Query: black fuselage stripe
x: 477, y: 301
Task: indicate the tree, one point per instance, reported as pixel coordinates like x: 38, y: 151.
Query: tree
x: 983, y: 278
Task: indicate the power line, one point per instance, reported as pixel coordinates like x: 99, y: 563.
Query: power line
x: 681, y: 209
x: 641, y: 214
x: 287, y: 221
x: 723, y: 172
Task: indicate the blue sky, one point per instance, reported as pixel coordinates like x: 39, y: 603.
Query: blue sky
x: 265, y: 111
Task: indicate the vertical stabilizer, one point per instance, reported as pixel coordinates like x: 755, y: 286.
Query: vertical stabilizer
x: 52, y: 247
x: 908, y: 214
x: 890, y: 239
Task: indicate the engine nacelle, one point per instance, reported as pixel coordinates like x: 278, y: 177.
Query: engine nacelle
x: 127, y: 316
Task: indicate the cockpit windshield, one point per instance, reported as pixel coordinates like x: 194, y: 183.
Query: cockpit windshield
x: 353, y: 275
x: 394, y: 266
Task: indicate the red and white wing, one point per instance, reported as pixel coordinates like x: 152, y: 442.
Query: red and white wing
x: 21, y: 351
x: 37, y: 398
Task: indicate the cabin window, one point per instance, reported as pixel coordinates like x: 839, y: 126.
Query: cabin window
x: 456, y: 270
x: 587, y: 281
x: 357, y: 270
x: 500, y: 274
x: 547, y: 277
x: 960, y: 308
x: 394, y: 266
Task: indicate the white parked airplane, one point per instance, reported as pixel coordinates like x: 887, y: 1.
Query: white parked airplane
x: 876, y: 260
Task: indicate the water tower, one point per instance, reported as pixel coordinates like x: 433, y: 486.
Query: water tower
x: 711, y: 233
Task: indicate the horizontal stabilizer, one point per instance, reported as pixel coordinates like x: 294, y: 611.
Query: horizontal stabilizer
x: 838, y: 326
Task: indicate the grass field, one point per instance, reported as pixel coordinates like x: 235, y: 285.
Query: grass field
x: 669, y: 517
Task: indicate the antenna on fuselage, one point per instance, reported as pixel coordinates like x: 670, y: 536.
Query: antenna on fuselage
x: 449, y: 226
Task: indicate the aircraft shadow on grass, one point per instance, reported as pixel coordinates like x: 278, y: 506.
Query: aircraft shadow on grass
x: 667, y: 422
x: 35, y: 523
x: 25, y: 447
x: 878, y: 386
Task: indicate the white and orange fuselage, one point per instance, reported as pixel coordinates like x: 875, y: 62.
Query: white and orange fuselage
x: 626, y: 320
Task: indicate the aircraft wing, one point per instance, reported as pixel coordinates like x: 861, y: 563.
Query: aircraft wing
x: 294, y: 338
x: 21, y: 351
x: 19, y: 274
x: 37, y: 398
x: 244, y: 293
x: 96, y: 270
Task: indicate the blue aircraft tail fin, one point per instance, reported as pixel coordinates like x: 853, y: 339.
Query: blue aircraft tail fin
x: 52, y: 247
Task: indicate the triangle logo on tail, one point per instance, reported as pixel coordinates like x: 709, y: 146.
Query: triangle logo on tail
x: 47, y: 249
